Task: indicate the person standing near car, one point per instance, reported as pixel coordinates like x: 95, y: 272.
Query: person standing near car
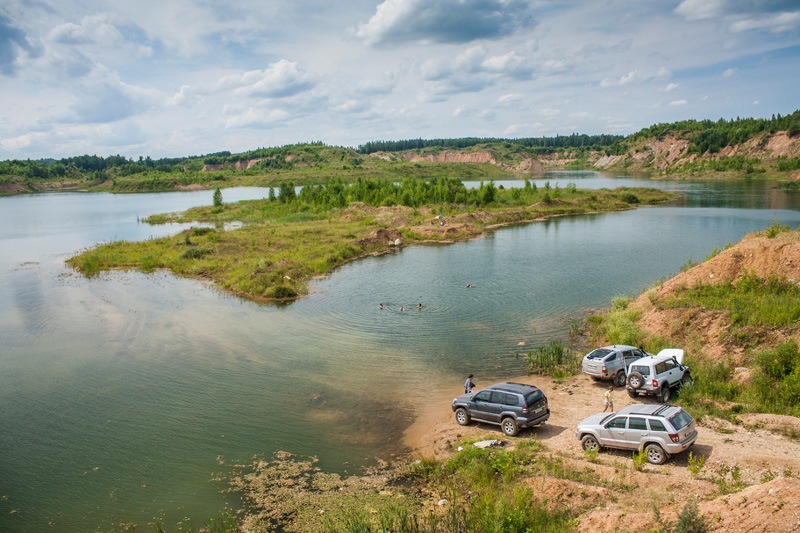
x: 469, y: 384
x: 608, y: 401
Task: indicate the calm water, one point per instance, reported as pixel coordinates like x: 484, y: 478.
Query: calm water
x: 124, y: 395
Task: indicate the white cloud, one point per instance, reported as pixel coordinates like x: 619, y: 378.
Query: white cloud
x: 182, y: 77
x: 772, y: 15
x: 443, y: 21
x: 280, y: 79
x: 779, y: 23
x: 729, y: 72
x: 94, y: 29
x: 257, y: 117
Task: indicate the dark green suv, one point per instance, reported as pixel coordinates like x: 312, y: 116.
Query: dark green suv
x: 511, y: 406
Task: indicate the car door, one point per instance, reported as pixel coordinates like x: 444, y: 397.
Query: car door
x: 480, y: 406
x: 672, y: 372
x: 489, y: 405
x: 613, y: 432
x: 636, y: 433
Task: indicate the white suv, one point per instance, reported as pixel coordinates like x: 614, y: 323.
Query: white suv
x: 656, y: 375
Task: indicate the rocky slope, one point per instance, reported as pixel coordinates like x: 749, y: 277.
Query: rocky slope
x: 659, y: 155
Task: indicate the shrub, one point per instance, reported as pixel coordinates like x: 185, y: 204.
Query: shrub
x: 690, y: 520
x: 639, y: 460
x: 280, y: 292
x: 696, y: 463
x: 774, y: 229
x: 195, y: 253
x: 552, y: 359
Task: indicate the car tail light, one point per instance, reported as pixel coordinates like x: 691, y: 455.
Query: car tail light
x: 674, y: 437
x: 604, y: 370
x: 655, y: 385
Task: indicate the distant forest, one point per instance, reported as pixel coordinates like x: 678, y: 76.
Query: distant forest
x: 591, y: 142
x: 708, y: 136
x: 705, y: 136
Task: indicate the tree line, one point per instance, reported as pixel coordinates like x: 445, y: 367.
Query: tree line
x: 558, y: 142
x: 708, y: 136
x: 705, y: 136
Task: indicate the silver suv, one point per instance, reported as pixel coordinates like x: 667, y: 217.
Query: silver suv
x: 611, y: 362
x: 657, y: 375
x: 509, y: 405
x: 659, y: 430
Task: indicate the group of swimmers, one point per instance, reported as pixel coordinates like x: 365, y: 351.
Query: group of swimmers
x: 402, y: 308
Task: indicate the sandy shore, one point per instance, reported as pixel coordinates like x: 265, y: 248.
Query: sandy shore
x: 435, y: 430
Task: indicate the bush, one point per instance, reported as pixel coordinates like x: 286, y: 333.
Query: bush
x: 280, y: 292
x: 774, y: 229
x: 552, y: 359
x: 195, y: 253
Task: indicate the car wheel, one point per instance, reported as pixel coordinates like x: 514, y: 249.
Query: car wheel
x: 619, y: 379
x: 509, y: 426
x: 635, y: 380
x: 686, y: 379
x: 462, y: 416
x: 590, y: 444
x: 633, y: 393
x: 665, y: 393
x: 655, y: 454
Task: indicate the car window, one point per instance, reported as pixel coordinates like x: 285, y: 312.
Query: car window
x: 599, y: 353
x: 642, y: 369
x: 483, y: 396
x: 656, y: 425
x: 612, y: 357
x: 681, y: 420
x: 635, y: 422
x: 627, y: 354
x: 510, y: 399
x: 499, y: 397
x: 638, y: 353
x: 669, y: 365
x: 661, y: 367
x: 618, y: 422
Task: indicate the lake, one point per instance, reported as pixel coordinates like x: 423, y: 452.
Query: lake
x: 124, y: 396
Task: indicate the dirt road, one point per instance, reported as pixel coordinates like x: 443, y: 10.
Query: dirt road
x: 758, y: 454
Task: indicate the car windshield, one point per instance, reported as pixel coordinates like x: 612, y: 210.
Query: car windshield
x: 643, y: 370
x: 598, y: 353
x: 605, y: 419
x: 681, y: 420
x: 533, y: 397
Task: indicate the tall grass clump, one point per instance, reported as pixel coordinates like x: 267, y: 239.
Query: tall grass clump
x: 553, y: 359
x: 619, y: 326
x: 777, y: 382
x: 713, y: 390
x: 775, y: 228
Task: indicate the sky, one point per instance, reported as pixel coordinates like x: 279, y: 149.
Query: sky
x: 174, y: 78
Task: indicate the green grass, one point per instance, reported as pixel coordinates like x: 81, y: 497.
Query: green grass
x: 477, y: 489
x: 281, y: 245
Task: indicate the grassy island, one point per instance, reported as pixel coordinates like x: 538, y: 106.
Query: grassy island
x: 279, y: 243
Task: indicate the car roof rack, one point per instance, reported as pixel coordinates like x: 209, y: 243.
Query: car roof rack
x: 661, y: 409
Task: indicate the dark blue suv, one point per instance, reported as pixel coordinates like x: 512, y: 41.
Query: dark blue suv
x: 511, y: 406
